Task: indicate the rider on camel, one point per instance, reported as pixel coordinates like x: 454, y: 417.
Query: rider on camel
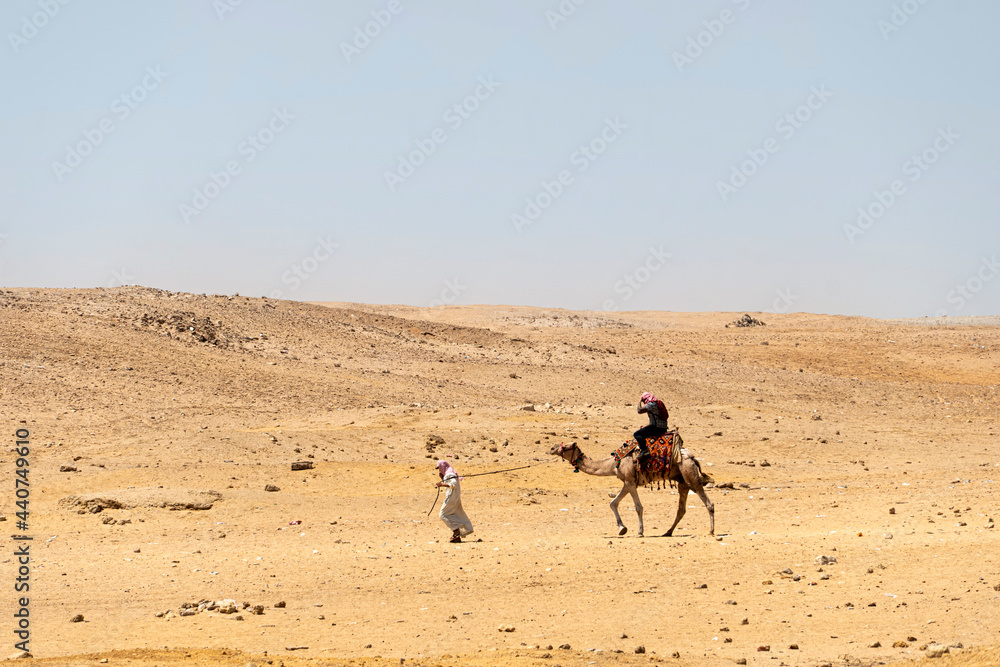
x: 657, y: 426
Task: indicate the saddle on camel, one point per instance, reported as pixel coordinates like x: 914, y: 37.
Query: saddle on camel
x: 660, y: 461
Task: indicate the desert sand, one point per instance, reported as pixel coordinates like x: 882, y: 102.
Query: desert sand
x: 157, y: 419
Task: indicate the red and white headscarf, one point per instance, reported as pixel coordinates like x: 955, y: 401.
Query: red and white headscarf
x: 445, y: 469
x: 647, y: 398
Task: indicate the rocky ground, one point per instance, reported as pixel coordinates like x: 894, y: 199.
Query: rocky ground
x: 158, y: 422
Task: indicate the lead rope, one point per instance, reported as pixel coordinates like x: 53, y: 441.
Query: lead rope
x: 495, y: 472
x: 435, y: 501
x: 480, y: 474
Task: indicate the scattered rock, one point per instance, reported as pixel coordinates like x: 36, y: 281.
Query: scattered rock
x: 794, y: 647
x: 745, y: 321
x: 279, y: 605
x: 505, y: 628
x: 640, y: 649
x: 875, y: 645
x: 699, y: 586
x: 766, y: 647
x: 20, y: 655
x: 171, y: 498
x: 302, y: 465
x: 936, y: 650
x: 77, y: 619
x: 892, y: 510
x: 272, y: 488
x: 68, y: 469
x: 825, y: 560
x: 257, y: 610
x: 745, y: 621
x: 564, y: 647
x: 741, y: 661
x: 900, y: 644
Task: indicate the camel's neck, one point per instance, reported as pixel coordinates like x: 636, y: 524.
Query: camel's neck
x: 603, y: 468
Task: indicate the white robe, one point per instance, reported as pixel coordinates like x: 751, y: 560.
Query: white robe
x: 451, y: 511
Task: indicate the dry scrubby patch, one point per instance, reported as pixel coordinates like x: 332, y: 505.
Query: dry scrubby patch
x: 172, y: 499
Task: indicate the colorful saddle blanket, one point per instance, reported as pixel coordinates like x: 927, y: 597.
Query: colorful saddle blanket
x: 664, y: 454
x: 623, y: 451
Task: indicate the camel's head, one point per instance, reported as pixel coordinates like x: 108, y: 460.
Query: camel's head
x: 557, y: 450
x: 568, y: 451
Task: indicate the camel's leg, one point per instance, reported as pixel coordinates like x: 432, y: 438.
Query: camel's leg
x: 700, y: 490
x: 692, y: 477
x: 638, y: 506
x: 682, y: 495
x: 614, y: 508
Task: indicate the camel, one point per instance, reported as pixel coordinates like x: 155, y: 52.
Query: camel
x: 688, y: 476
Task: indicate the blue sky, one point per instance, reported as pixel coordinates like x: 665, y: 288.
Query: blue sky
x: 627, y: 155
